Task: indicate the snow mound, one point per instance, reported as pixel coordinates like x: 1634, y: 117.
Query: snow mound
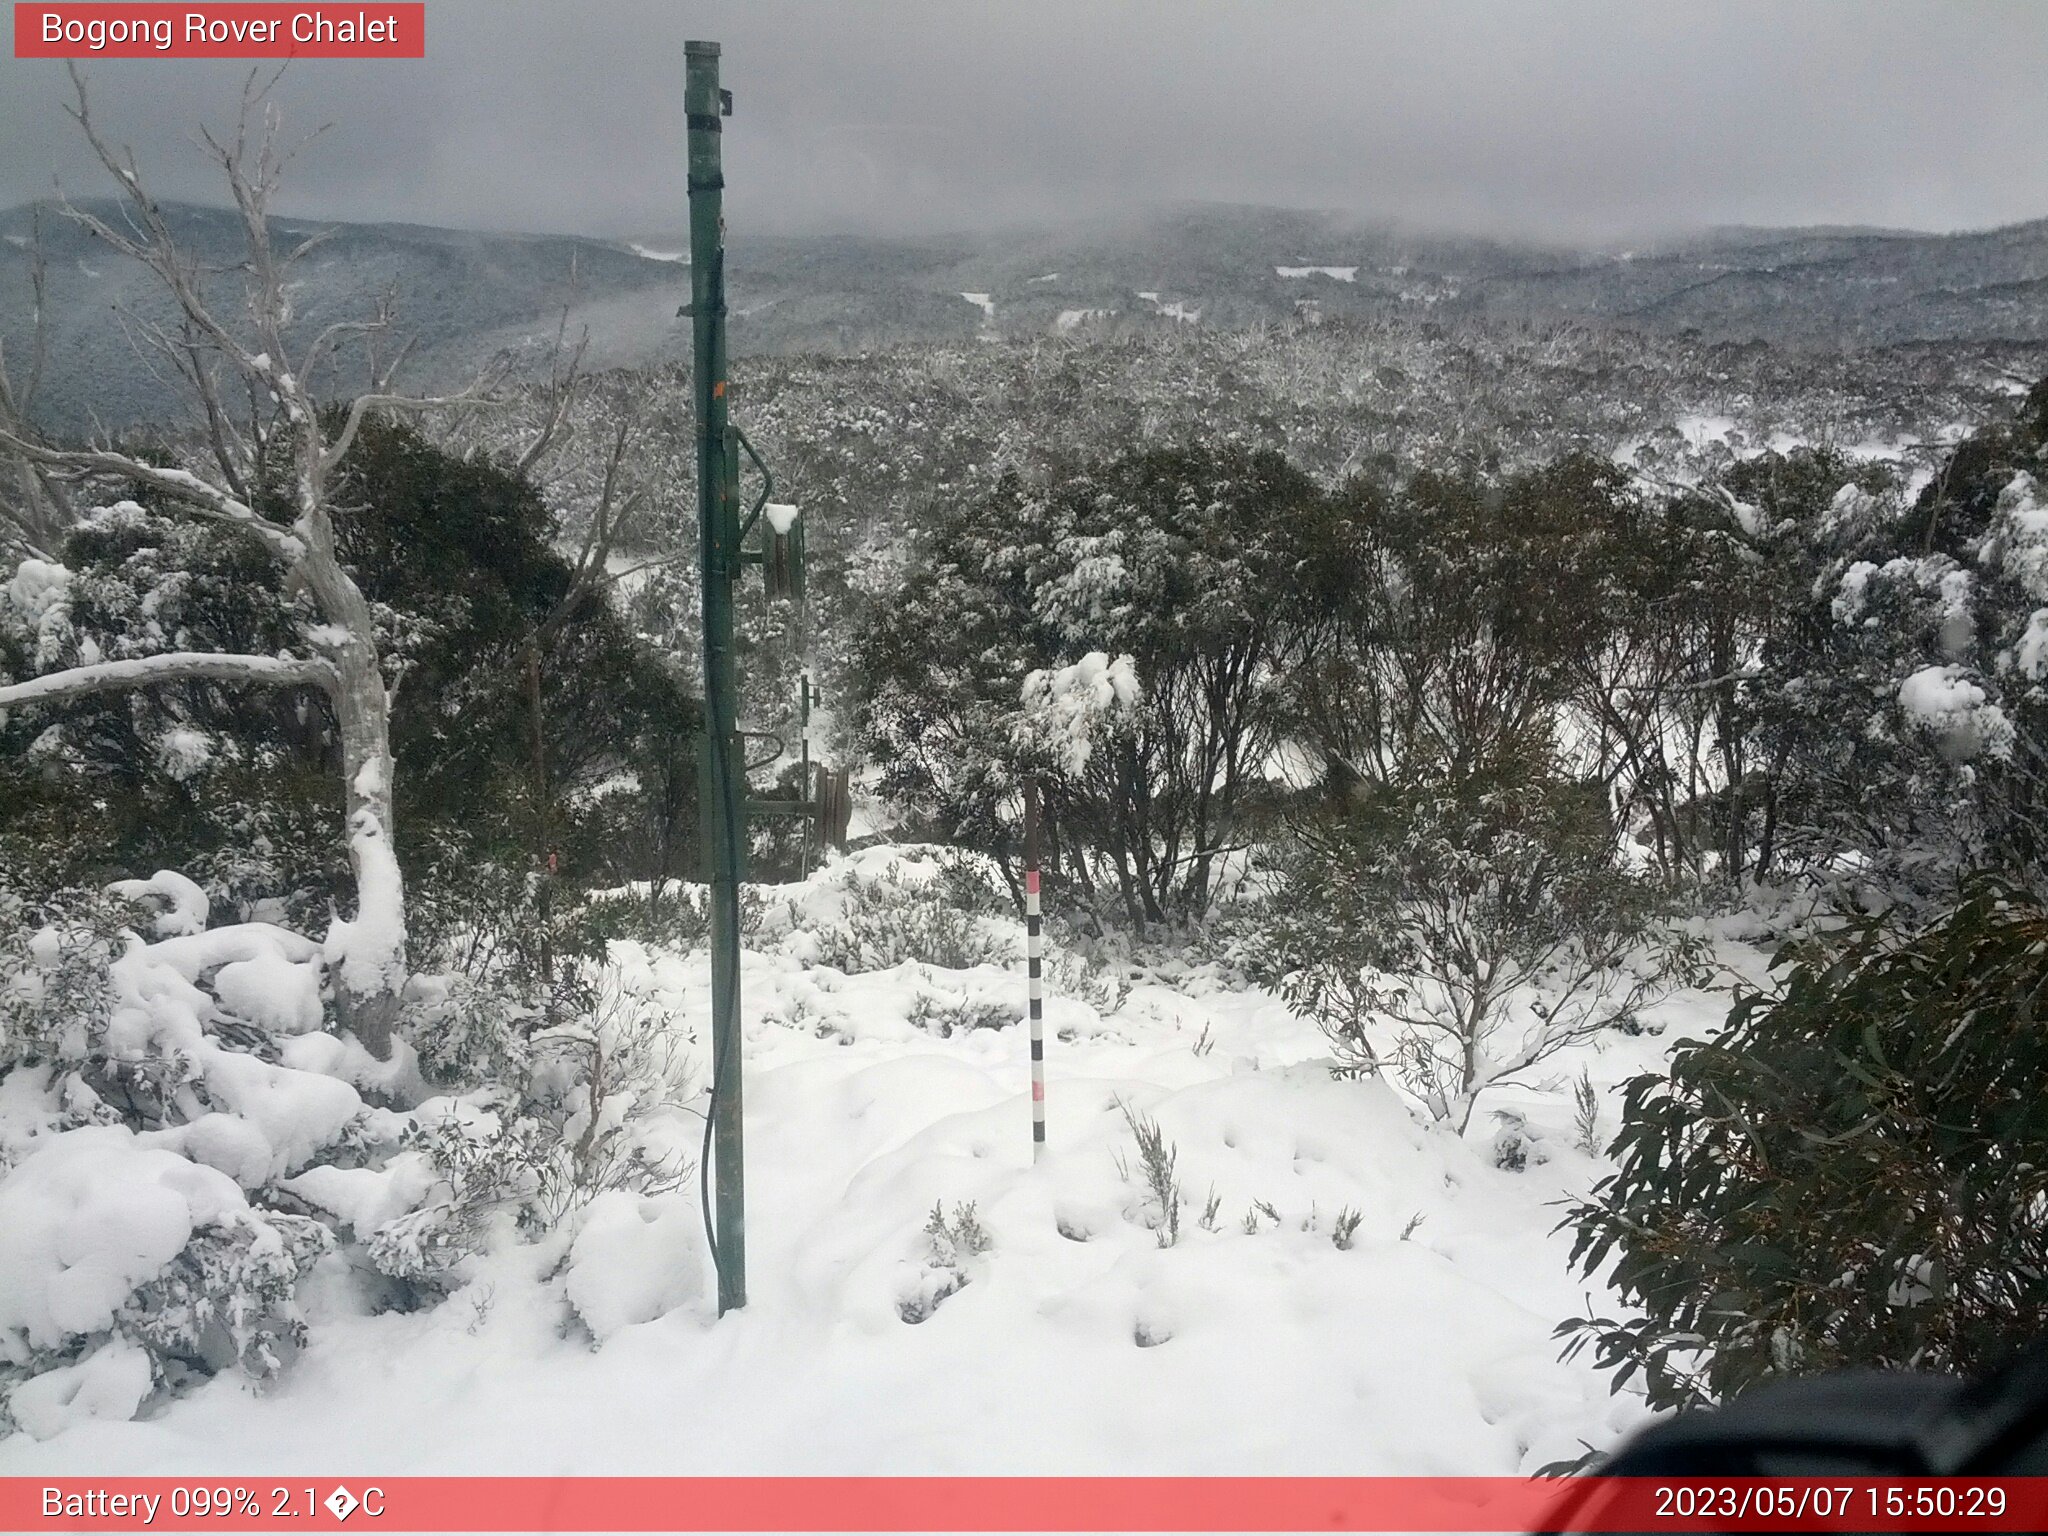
x: 110, y: 1383
x: 269, y: 990
x: 87, y: 1218
x: 634, y: 1260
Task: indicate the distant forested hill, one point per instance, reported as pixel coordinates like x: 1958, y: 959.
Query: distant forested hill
x: 466, y: 296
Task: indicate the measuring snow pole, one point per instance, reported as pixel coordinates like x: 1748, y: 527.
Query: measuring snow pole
x: 1034, y: 958
x: 720, y: 785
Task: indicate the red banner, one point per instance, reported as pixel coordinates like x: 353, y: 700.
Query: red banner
x: 217, y: 31
x: 949, y: 1504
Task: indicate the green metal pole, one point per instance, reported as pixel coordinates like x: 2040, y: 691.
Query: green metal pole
x: 718, y: 548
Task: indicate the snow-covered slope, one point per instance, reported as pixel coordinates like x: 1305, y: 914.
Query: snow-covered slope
x: 1075, y: 1343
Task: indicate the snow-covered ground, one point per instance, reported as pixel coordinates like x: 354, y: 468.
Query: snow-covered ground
x: 1077, y: 1343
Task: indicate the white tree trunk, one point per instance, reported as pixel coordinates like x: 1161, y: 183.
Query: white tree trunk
x: 366, y: 954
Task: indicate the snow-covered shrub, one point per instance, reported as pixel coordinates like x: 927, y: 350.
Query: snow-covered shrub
x: 889, y: 919
x: 953, y: 1244
x: 610, y: 1078
x: 1852, y: 1173
x: 1901, y: 699
x: 579, y: 1102
x: 1462, y: 934
x: 147, y: 1111
x: 55, y: 995
x: 181, y: 1137
x: 468, y: 1030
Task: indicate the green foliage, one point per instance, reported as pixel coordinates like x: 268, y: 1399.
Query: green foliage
x: 1462, y: 933
x: 1853, y: 1172
x: 55, y: 998
x: 1466, y: 602
x: 1191, y: 562
x: 889, y: 920
x: 527, y: 720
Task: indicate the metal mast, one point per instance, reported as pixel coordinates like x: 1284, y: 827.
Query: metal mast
x: 722, y: 787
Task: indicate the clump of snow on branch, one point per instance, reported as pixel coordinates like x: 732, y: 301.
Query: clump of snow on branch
x: 2023, y: 529
x: 39, y: 595
x: 1954, y: 711
x: 1065, y: 710
x: 179, y: 905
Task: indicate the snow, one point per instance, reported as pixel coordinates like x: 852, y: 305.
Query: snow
x: 1941, y: 701
x: 781, y: 516
x: 1341, y: 274
x: 1076, y: 1344
x: 983, y: 302
x: 87, y: 1217
x: 1066, y: 708
x: 366, y: 1198
x: 1700, y: 430
x: 272, y: 992
x: 36, y: 587
x: 635, y: 1260
x: 1073, y: 319
x: 367, y: 952
x: 648, y: 254
x: 108, y: 1384
x: 1045, y: 277
x: 2023, y: 523
x: 180, y: 906
x: 182, y: 751
x: 1852, y: 594
x: 2031, y: 654
x: 1179, y: 309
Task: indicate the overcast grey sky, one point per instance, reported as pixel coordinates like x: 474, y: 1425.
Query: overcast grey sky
x: 1568, y: 120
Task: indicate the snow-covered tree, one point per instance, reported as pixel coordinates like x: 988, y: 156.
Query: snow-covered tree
x: 1191, y: 576
x: 272, y: 458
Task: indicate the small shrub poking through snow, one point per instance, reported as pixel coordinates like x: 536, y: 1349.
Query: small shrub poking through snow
x: 952, y: 1244
x: 1157, y: 1160
x: 1586, y: 1115
x: 889, y: 920
x: 948, y: 1016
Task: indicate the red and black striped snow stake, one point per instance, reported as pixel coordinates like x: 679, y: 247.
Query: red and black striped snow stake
x: 1034, y: 956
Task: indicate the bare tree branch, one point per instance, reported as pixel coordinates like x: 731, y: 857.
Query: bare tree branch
x: 193, y: 493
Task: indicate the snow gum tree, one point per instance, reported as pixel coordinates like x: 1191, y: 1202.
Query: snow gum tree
x: 268, y: 471
x: 1194, y: 575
